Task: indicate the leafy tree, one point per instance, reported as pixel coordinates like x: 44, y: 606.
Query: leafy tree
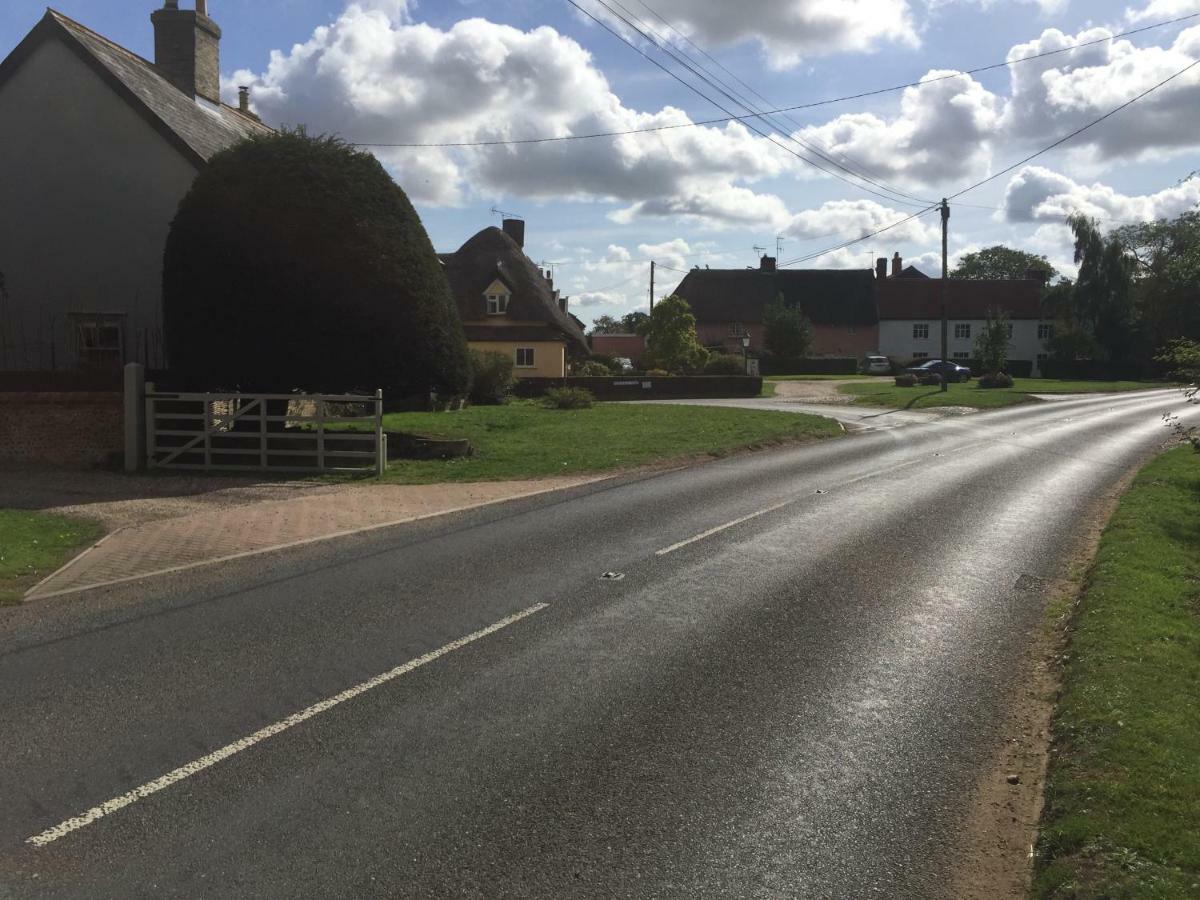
x: 1167, y: 255
x: 296, y: 262
x: 606, y: 325
x: 1183, y: 356
x: 671, y: 337
x: 1103, y: 298
x: 634, y: 322
x: 991, y: 344
x: 1000, y: 262
x: 788, y: 332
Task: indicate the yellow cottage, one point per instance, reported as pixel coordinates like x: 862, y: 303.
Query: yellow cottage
x: 509, y: 306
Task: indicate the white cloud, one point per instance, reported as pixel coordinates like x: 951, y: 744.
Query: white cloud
x: 373, y: 76
x: 1162, y: 10
x: 850, y: 219
x: 791, y: 30
x: 1036, y: 194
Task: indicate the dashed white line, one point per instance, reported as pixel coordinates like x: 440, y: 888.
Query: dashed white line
x: 152, y: 787
x: 720, y: 528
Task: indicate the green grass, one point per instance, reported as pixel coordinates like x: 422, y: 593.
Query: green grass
x: 526, y: 440
x: 1122, y: 816
x: 33, y: 544
x: 768, y: 389
x: 883, y: 392
x: 824, y: 377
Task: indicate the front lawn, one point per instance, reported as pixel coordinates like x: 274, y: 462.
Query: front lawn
x: 883, y: 392
x: 1122, y: 815
x: 824, y: 377
x: 523, y: 439
x: 34, y: 544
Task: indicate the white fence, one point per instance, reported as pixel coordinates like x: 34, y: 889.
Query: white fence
x: 218, y: 432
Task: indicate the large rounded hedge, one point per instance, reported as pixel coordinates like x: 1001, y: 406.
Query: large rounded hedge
x: 296, y: 262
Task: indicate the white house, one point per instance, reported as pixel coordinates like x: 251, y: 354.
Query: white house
x: 99, y: 146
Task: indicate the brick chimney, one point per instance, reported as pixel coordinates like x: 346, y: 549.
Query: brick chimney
x: 897, y: 266
x: 515, y: 229
x: 187, y: 47
x: 881, y: 268
x: 767, y: 264
x: 1037, y: 275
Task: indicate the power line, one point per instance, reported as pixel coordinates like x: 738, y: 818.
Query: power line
x: 768, y: 136
x: 858, y: 240
x: 786, y: 109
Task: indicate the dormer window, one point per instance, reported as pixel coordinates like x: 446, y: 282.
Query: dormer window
x: 497, y: 304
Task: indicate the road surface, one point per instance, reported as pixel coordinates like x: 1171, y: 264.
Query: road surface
x: 791, y: 690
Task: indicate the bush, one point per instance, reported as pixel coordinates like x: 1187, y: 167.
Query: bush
x: 569, y: 398
x: 658, y: 373
x: 591, y: 369
x: 771, y: 364
x: 491, y: 376
x: 906, y: 381
x: 296, y: 262
x: 998, y: 380
x: 609, y: 362
x: 725, y: 364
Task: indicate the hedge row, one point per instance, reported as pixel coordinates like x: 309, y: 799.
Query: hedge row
x: 824, y: 366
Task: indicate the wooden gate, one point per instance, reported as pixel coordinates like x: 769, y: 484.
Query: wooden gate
x: 265, y: 432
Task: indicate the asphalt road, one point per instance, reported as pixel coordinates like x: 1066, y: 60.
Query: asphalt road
x: 797, y: 704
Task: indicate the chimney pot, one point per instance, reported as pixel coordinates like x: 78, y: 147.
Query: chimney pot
x: 515, y: 229
x: 897, y: 266
x: 187, y: 47
x: 881, y: 268
x: 767, y: 264
x: 244, y: 98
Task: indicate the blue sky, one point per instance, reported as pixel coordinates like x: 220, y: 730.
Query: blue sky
x: 391, y: 71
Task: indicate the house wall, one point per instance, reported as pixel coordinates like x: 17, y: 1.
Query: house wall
x: 550, y: 357
x: 828, y: 340
x: 630, y: 346
x: 896, y: 338
x: 88, y: 190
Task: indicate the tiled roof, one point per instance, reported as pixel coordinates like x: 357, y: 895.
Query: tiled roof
x: 200, y: 131
x: 921, y: 298
x: 826, y: 296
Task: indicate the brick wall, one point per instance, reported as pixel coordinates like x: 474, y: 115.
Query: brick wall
x: 72, y: 430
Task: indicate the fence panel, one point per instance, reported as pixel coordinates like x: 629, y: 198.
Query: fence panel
x: 218, y: 432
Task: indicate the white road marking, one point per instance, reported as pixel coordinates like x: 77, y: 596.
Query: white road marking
x: 152, y: 787
x: 720, y: 528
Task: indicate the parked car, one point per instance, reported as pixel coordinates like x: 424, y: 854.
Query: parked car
x: 625, y: 363
x: 931, y: 371
x: 877, y: 365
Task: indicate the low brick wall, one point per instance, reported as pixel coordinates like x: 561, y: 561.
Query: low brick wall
x: 647, y: 387
x: 71, y: 430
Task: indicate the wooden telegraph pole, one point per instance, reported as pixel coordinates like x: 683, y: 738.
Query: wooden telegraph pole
x: 651, y: 285
x: 945, y: 302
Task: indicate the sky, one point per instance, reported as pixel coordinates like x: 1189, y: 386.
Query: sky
x: 598, y: 210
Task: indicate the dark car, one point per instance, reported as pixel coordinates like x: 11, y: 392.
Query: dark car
x: 931, y: 372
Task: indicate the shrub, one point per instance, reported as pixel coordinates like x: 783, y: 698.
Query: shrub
x: 569, y: 398
x: 609, y: 362
x: 725, y: 364
x: 996, y: 380
x: 492, y: 377
x: 906, y: 381
x: 591, y: 369
x: 296, y: 262
x: 658, y: 373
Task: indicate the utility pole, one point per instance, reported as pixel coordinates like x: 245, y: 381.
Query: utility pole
x: 945, y: 302
x: 651, y: 285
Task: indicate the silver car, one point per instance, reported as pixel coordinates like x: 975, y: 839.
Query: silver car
x: 877, y: 365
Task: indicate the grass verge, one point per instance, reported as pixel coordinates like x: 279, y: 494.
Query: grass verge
x: 526, y: 440
x: 883, y: 392
x: 1122, y: 813
x: 768, y: 389
x: 34, y: 544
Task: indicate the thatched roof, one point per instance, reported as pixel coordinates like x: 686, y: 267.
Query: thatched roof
x: 490, y: 255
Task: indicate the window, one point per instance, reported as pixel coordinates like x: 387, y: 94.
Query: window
x: 1009, y: 329
x: 497, y: 304
x: 962, y: 330
x: 921, y: 354
x: 921, y: 331
x: 737, y: 329
x: 524, y: 357
x: 1042, y: 357
x: 960, y: 354
x: 1045, y: 332
x: 99, y: 339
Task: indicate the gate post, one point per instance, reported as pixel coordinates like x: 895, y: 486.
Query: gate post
x: 135, y: 417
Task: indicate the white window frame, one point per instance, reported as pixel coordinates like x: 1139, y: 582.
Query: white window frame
x: 1045, y: 331
x: 92, y: 345
x: 497, y: 304
x: 529, y: 364
x: 1009, y: 328
x: 920, y: 331
x: 920, y: 354
x: 960, y: 354
x: 962, y: 331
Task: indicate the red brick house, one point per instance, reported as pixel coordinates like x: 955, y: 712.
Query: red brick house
x: 729, y: 303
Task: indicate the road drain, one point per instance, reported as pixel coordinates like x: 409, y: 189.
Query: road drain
x: 612, y: 576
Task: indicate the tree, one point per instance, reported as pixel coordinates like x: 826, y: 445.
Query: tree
x: 634, y: 322
x: 1183, y: 356
x: 788, y: 332
x: 606, y: 325
x: 671, y: 337
x: 1000, y: 262
x: 296, y: 262
x: 1167, y: 277
x: 1103, y: 298
x: 991, y: 344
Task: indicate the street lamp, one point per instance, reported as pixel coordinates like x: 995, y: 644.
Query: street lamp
x: 746, y: 353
